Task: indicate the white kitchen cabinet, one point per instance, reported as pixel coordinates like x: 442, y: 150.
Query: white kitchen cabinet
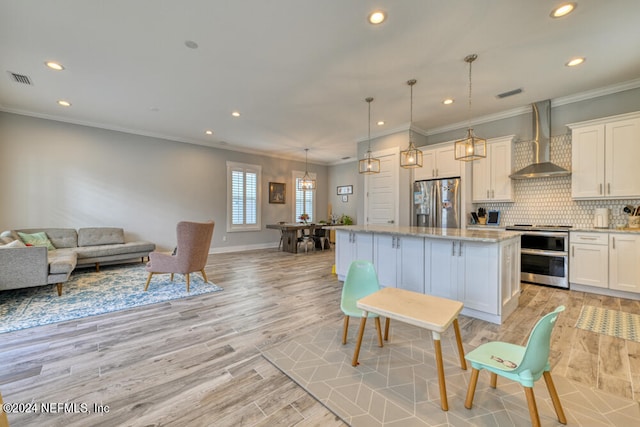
x: 589, y: 259
x: 469, y: 271
x: 444, y: 264
x: 491, y: 180
x: 351, y: 246
x: 604, y: 155
x: 624, y: 262
x: 399, y: 261
x: 438, y: 162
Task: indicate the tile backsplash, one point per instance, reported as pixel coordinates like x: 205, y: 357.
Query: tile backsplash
x: 545, y: 201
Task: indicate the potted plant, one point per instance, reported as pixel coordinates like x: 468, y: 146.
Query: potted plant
x: 346, y: 220
x: 482, y: 216
x: 304, y: 217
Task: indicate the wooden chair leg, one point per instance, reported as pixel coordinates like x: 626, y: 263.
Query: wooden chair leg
x: 188, y: 281
x: 533, y: 408
x: 554, y: 397
x: 204, y: 275
x: 97, y: 267
x: 345, y: 329
x: 379, y: 330
x: 356, y: 352
x: 456, y: 327
x: 171, y: 277
x: 472, y: 388
x: 386, y: 329
x: 59, y: 286
x: 494, y: 380
x: 148, y: 280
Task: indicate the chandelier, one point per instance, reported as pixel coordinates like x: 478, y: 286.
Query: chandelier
x: 369, y: 165
x: 411, y: 157
x: 472, y: 147
x: 306, y: 183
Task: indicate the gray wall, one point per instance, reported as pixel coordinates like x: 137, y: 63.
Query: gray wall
x: 344, y: 174
x: 55, y: 174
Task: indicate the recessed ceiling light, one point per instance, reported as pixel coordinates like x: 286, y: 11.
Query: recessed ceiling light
x: 54, y: 65
x: 377, y: 17
x: 235, y: 114
x: 448, y: 101
x: 574, y: 62
x: 563, y: 10
x: 191, y: 44
x: 380, y: 123
x: 64, y: 103
x: 208, y: 132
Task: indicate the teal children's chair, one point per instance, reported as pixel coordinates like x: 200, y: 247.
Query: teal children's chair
x: 522, y: 364
x: 361, y: 281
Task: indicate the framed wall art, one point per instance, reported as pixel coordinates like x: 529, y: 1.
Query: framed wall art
x: 277, y: 192
x: 345, y: 189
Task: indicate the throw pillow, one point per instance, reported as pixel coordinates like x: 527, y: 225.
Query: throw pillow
x: 13, y: 244
x: 37, y: 239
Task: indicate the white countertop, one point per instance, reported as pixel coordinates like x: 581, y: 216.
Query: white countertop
x: 489, y: 236
x: 606, y: 230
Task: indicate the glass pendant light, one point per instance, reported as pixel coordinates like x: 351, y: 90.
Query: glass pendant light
x: 306, y: 183
x: 369, y: 165
x: 472, y: 147
x: 411, y: 157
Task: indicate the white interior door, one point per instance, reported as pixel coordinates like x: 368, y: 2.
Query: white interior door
x: 381, y: 190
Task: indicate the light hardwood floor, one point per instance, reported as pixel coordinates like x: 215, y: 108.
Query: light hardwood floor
x: 197, y: 361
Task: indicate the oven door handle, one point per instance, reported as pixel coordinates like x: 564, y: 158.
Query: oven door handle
x: 544, y: 253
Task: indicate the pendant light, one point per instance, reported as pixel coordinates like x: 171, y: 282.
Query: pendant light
x: 369, y: 165
x: 306, y: 183
x: 411, y: 157
x: 472, y: 147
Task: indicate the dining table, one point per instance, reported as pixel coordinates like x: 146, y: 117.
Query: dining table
x: 290, y: 231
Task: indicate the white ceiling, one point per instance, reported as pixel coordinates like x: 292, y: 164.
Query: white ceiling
x: 298, y: 71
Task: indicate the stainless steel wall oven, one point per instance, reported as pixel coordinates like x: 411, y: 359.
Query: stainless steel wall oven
x: 544, y: 254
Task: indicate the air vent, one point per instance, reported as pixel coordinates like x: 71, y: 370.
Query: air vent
x: 509, y: 93
x: 20, y: 78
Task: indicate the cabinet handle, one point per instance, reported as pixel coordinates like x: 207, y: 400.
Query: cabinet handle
x: 433, y: 172
x: 573, y: 251
x: 600, y: 190
x: 436, y: 171
x: 608, y: 188
x: 588, y: 238
x: 613, y: 240
x: 487, y: 194
x: 397, y: 242
x: 459, y: 248
x: 493, y: 194
x: 453, y: 248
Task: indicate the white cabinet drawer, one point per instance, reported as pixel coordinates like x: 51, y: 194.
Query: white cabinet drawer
x: 589, y: 238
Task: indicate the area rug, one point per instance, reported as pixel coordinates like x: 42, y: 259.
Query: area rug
x: 605, y: 321
x: 89, y: 293
x: 397, y: 385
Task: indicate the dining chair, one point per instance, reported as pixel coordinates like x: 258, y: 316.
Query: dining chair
x: 521, y: 364
x: 306, y: 237
x: 361, y: 281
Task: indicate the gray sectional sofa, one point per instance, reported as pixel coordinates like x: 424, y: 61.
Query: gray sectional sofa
x: 27, y: 266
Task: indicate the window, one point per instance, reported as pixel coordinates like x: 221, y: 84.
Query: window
x: 243, y: 196
x: 305, y: 200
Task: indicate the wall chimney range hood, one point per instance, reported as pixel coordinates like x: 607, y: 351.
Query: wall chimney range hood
x: 541, y: 167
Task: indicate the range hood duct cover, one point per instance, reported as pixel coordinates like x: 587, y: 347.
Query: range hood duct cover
x: 542, y: 167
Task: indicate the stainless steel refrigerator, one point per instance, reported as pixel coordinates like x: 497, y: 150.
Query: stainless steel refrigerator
x: 436, y: 203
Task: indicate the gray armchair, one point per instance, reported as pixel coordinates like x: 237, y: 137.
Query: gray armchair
x: 194, y: 240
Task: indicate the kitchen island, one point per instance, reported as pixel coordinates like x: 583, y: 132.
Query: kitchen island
x: 480, y: 268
